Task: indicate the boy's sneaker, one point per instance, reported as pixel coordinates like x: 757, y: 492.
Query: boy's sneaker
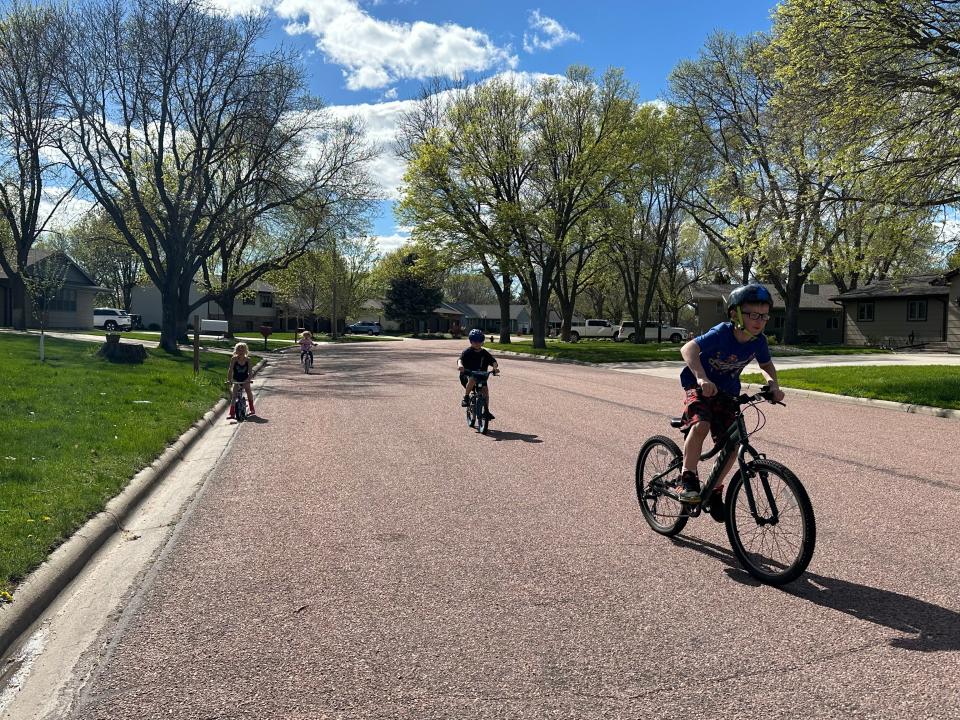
x: 717, y: 510
x: 689, y: 487
x: 465, y: 401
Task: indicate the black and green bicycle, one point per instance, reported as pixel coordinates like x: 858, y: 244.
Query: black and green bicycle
x: 767, y: 512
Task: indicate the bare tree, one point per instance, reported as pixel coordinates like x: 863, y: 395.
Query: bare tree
x: 178, y: 117
x: 33, y: 182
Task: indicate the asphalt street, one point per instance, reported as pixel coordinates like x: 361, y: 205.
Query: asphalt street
x: 360, y: 553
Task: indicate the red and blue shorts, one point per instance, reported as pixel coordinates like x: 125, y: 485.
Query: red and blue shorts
x: 720, y: 411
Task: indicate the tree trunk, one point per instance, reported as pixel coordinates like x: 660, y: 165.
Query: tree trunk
x: 170, y: 305
x: 226, y: 303
x: 503, y: 297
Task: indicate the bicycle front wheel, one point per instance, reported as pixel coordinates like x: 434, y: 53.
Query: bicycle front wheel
x: 774, y: 544
x: 481, y: 412
x: 658, y: 469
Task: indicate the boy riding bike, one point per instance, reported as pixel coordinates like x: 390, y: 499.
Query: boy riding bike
x: 475, y: 357
x: 711, y: 382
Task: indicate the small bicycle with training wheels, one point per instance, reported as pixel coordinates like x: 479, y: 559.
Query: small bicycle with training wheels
x: 239, y: 402
x: 306, y: 359
x: 767, y: 512
x: 477, y: 411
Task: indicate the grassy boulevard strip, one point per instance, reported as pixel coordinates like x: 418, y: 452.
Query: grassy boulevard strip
x: 76, y: 429
x: 931, y: 385
x: 610, y: 352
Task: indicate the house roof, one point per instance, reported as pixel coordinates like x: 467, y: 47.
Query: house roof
x: 912, y: 286
x: 814, y: 297
x: 952, y: 273
x: 37, y: 254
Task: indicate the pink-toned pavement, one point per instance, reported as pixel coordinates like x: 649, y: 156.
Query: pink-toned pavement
x: 360, y: 553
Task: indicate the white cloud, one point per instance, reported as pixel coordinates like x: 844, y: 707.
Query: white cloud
x: 388, y: 243
x: 375, y: 53
x: 546, y: 33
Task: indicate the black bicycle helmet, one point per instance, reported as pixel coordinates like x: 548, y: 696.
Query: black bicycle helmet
x: 476, y: 335
x: 752, y: 293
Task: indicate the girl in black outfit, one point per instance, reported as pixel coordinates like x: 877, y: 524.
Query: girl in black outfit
x: 239, y: 372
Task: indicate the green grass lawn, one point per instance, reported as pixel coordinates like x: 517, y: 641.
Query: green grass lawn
x: 605, y: 351
x: 76, y: 429
x: 934, y: 385
x: 276, y: 341
x: 594, y: 350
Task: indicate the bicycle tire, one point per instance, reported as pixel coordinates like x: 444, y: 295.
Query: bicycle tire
x: 792, y: 538
x: 240, y: 410
x: 306, y: 364
x: 656, y: 455
x: 470, y: 418
x: 481, y: 414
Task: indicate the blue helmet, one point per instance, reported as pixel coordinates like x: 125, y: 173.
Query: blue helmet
x: 476, y: 335
x: 752, y: 293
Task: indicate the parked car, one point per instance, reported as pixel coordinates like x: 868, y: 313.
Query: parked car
x: 627, y: 330
x: 593, y: 328
x: 364, y: 328
x: 111, y: 319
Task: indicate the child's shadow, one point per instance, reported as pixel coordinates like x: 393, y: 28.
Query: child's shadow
x: 926, y: 627
x: 505, y: 435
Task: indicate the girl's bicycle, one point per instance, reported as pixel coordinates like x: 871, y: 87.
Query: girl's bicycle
x: 239, y: 402
x: 306, y: 359
x: 768, y: 514
x: 477, y: 403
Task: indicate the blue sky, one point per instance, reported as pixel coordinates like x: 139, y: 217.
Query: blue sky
x: 369, y: 57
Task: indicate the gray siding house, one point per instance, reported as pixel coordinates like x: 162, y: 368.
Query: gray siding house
x: 819, y: 320
x: 953, y: 310
x: 249, y: 313
x: 913, y: 311
x: 72, y: 308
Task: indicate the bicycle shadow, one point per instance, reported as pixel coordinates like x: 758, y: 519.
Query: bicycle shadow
x: 926, y: 627
x: 499, y: 435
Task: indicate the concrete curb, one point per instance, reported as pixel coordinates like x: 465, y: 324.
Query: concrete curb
x: 41, y: 587
x: 946, y: 413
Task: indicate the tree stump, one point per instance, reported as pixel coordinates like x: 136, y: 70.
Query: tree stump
x: 118, y: 352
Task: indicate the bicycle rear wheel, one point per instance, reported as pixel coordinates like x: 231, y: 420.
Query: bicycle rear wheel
x: 776, y: 544
x: 658, y: 469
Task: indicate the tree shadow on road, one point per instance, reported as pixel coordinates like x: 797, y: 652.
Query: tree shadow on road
x: 499, y: 435
x: 926, y: 627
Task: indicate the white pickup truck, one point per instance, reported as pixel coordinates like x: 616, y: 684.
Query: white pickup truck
x: 593, y: 329
x: 626, y: 332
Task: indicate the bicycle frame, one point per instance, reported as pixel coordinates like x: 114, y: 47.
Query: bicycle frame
x: 736, y: 439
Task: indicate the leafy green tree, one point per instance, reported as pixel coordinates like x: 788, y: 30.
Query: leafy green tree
x: 100, y: 250
x: 883, y: 77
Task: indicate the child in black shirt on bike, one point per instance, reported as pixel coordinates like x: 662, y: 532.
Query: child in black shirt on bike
x: 475, y: 357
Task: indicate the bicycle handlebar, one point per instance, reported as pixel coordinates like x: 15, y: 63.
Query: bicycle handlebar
x: 765, y: 395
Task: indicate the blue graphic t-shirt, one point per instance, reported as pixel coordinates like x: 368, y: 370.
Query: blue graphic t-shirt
x: 724, y: 357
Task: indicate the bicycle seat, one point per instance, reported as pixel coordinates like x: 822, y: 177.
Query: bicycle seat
x: 676, y: 422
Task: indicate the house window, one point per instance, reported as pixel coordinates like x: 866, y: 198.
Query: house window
x: 249, y: 300
x: 917, y: 311
x: 865, y: 312
x: 266, y: 300
x: 778, y: 322
x: 719, y: 307
x: 833, y: 322
x: 64, y: 301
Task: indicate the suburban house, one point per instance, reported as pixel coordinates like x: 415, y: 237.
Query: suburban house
x: 466, y: 315
x: 820, y: 320
x: 915, y: 310
x: 71, y: 308
x: 257, y: 308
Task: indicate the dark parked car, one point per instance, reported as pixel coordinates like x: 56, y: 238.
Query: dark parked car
x: 365, y: 328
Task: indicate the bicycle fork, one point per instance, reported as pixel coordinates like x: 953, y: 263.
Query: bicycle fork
x: 749, y: 474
